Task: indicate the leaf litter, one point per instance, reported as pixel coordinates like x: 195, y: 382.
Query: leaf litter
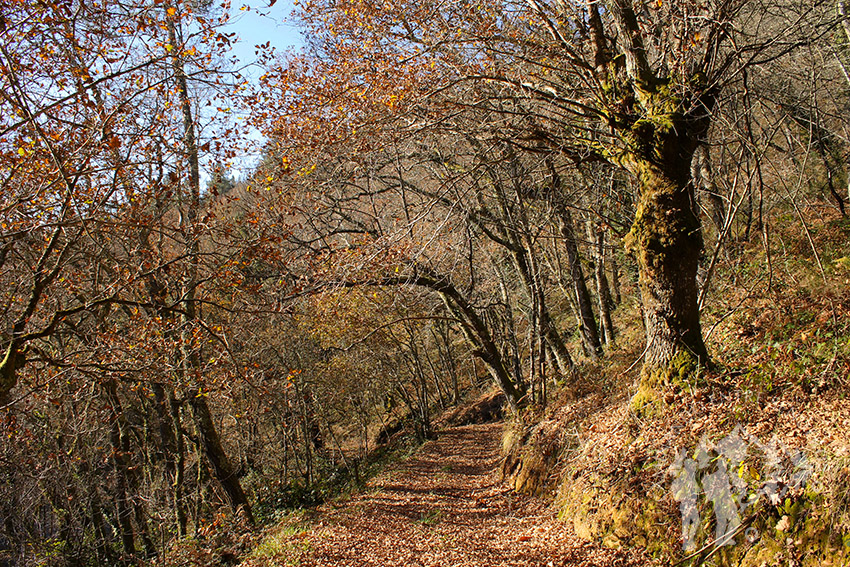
x: 445, y: 506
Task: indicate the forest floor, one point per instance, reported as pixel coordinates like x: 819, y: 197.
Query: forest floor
x: 444, y: 506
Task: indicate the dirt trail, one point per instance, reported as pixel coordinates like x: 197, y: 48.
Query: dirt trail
x: 445, y: 507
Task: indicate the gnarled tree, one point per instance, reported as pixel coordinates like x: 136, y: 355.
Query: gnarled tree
x: 633, y: 84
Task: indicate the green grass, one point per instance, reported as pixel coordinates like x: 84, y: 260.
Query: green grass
x: 285, y: 544
x: 431, y: 518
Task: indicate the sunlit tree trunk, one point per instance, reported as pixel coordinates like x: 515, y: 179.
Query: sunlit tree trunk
x: 658, y: 136
x: 596, y: 236
x: 667, y: 242
x: 587, y: 320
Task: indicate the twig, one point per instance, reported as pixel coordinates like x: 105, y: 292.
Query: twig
x: 638, y: 359
x: 717, y: 544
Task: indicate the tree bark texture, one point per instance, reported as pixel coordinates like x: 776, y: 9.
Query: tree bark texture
x: 667, y: 242
x: 658, y: 129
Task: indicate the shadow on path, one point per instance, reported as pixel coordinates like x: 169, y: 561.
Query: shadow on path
x: 445, y: 507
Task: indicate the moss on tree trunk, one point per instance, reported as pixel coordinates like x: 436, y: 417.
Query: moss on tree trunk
x: 666, y: 240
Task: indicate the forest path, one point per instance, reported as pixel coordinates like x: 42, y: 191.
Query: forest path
x: 446, y: 507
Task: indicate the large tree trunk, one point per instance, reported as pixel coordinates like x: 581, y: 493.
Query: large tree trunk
x: 667, y: 241
x: 658, y: 135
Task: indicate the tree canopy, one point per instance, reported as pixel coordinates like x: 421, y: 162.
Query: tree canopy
x: 452, y: 194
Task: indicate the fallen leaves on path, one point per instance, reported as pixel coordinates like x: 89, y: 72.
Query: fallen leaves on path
x: 443, y: 507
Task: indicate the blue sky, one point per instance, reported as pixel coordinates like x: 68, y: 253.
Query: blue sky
x: 255, y: 23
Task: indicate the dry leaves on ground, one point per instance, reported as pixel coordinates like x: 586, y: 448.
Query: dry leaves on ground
x: 443, y: 507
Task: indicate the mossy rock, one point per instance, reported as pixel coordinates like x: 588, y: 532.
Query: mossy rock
x: 528, y: 455
x: 615, y: 516
x: 621, y: 511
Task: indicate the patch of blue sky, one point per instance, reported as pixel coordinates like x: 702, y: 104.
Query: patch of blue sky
x: 254, y: 23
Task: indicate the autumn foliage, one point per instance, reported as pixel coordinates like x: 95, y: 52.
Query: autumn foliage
x: 450, y: 196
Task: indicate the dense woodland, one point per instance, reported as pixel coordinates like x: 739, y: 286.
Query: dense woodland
x: 452, y: 194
